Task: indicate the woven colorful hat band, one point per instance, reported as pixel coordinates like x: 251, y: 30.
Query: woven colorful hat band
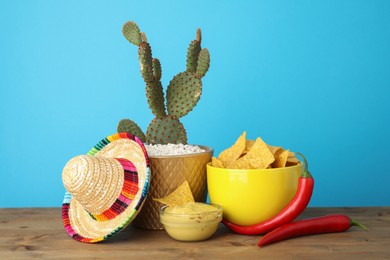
x: 104, y: 186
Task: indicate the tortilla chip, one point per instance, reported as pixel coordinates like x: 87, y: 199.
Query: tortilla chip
x: 280, y: 158
x: 233, y: 153
x: 274, y: 149
x: 248, y: 145
x: 258, y: 157
x: 178, y: 197
x: 216, y: 163
x: 292, y: 160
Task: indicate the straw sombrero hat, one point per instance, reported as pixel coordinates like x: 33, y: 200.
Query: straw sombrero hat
x: 105, y: 188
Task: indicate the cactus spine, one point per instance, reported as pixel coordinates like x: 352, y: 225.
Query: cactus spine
x: 182, y: 94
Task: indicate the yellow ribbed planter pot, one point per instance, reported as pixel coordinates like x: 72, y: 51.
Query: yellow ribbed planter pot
x: 168, y: 173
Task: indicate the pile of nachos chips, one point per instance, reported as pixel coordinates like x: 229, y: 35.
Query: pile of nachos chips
x: 254, y: 154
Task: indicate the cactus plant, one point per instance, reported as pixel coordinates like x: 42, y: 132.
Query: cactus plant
x: 182, y: 93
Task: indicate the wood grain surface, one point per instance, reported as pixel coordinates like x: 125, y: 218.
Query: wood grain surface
x: 38, y: 233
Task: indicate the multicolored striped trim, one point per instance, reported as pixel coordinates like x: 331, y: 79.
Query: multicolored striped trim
x: 128, y: 192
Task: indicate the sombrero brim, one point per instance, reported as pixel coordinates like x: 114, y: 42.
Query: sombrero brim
x: 83, y: 226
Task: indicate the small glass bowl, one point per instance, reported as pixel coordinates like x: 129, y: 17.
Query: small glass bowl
x: 191, y: 226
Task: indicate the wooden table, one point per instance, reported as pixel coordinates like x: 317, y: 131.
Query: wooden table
x: 38, y: 233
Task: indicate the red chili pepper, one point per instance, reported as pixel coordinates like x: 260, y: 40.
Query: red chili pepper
x: 288, y: 214
x: 320, y: 225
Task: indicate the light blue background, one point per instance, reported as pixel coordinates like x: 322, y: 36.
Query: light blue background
x: 311, y: 76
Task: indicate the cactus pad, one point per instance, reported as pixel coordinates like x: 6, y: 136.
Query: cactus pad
x: 183, y: 93
x: 192, y: 55
x: 166, y: 130
x: 155, y: 97
x: 145, y: 59
x: 132, y: 33
x: 156, y: 69
x: 203, y: 63
x: 129, y: 126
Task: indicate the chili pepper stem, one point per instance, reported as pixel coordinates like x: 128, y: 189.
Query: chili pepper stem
x: 305, y: 164
x: 305, y: 173
x: 355, y: 223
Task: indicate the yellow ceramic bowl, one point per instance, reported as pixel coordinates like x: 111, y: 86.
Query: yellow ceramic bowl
x: 251, y: 196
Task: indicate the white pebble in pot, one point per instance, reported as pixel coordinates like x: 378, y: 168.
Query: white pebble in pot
x: 172, y: 149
